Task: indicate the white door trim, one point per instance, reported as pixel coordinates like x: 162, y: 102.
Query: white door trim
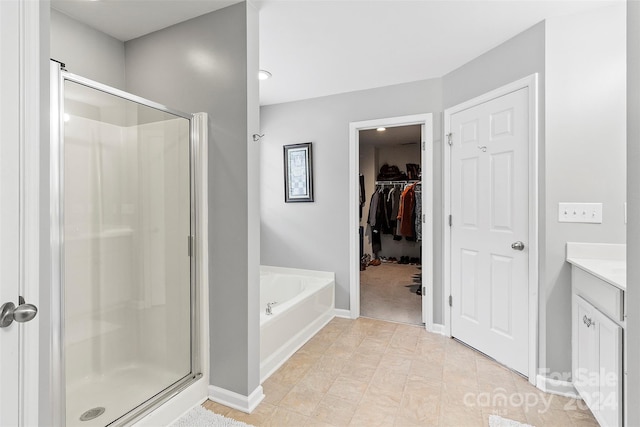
x: 530, y: 83
x: 427, y: 196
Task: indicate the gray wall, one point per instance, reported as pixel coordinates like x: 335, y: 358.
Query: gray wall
x: 86, y: 51
x: 632, y: 394
x: 585, y: 153
x: 316, y: 235
x: 204, y: 64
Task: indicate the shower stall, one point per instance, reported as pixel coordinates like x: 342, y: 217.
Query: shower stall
x: 123, y: 229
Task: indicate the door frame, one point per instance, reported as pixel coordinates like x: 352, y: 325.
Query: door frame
x: 426, y: 120
x: 531, y: 83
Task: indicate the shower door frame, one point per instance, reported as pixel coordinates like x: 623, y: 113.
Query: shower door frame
x: 196, y: 243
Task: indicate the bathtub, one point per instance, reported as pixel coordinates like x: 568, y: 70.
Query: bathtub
x: 304, y: 303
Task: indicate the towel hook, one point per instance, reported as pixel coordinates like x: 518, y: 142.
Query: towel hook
x: 257, y: 137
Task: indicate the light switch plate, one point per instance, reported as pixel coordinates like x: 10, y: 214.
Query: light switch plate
x: 580, y: 212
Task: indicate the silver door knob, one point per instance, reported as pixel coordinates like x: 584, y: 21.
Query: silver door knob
x: 517, y: 246
x: 22, y: 313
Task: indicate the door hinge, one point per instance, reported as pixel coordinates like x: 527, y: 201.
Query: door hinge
x: 450, y: 220
x: 450, y: 138
x: 423, y: 145
x: 189, y: 245
x: 450, y: 301
x: 424, y: 218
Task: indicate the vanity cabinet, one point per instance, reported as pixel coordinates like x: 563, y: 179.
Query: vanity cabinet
x: 598, y: 318
x: 597, y: 361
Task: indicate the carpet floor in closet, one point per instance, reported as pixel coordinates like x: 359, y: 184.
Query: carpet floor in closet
x: 387, y: 292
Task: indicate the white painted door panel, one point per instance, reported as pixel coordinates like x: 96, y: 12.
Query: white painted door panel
x: 489, y: 207
x: 9, y: 208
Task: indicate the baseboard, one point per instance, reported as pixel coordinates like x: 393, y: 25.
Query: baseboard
x: 235, y: 400
x: 561, y: 388
x: 340, y: 312
x: 437, y: 328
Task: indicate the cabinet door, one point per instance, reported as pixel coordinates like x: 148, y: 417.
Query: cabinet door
x: 585, y: 351
x: 610, y: 372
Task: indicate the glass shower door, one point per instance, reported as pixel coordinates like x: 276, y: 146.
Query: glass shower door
x: 126, y: 268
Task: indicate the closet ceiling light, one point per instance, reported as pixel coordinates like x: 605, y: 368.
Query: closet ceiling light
x: 381, y: 129
x: 263, y: 75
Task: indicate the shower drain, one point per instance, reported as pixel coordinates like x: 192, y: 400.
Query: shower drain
x: 92, y: 413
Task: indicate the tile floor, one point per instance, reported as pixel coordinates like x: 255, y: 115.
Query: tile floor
x: 368, y: 372
x: 387, y: 292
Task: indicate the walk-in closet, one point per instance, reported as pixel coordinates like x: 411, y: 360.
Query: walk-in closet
x: 391, y: 223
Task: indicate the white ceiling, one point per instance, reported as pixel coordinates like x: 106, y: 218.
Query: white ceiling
x: 130, y: 19
x: 320, y: 47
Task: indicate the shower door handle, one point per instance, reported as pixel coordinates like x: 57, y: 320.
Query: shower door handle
x: 22, y: 313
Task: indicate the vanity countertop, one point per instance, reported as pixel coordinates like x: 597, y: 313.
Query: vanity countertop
x: 606, y: 261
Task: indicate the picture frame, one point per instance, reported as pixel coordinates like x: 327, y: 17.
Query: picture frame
x: 298, y: 173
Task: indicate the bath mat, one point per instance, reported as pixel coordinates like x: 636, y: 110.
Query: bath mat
x: 497, y: 421
x: 201, y: 417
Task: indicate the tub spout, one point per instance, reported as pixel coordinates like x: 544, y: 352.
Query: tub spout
x: 269, y: 305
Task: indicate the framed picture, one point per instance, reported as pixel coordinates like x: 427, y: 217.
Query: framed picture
x: 298, y: 173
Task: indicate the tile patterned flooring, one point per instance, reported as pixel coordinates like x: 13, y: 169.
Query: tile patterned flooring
x: 368, y: 372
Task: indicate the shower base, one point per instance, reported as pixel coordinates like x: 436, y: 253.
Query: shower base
x: 117, y: 392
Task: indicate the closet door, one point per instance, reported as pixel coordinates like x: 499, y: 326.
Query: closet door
x: 490, y: 227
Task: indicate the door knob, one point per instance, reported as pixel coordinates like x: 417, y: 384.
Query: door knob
x: 22, y: 313
x: 518, y: 246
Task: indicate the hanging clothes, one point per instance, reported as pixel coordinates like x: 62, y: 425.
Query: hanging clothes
x: 394, y: 200
x: 418, y: 212
x: 388, y: 222
x: 378, y: 220
x: 362, y: 194
x: 405, y: 212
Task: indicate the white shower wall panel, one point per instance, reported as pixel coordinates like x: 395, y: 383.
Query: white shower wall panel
x: 163, y: 164
x: 120, y: 254
x: 98, y: 268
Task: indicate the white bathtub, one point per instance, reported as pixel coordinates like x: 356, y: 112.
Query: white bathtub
x: 304, y: 303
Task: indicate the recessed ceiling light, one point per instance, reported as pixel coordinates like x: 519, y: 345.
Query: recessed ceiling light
x: 263, y: 75
x: 381, y: 129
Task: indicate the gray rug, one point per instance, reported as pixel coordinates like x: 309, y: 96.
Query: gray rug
x: 497, y: 421
x: 201, y: 417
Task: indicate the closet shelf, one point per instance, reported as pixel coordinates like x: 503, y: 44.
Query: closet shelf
x: 410, y: 181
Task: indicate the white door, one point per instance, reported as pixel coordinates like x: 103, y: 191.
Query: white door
x: 19, y: 215
x: 9, y: 208
x: 489, y: 208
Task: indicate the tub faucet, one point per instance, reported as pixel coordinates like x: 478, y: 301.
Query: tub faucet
x: 269, y: 304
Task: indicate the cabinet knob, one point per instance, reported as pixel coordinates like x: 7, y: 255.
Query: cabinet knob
x: 587, y: 321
